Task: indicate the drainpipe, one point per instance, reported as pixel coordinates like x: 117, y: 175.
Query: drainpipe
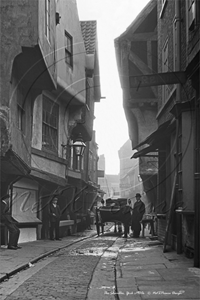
x: 197, y: 179
x: 178, y: 41
x: 178, y: 120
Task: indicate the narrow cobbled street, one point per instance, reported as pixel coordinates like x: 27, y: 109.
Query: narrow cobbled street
x: 106, y: 267
x: 65, y: 274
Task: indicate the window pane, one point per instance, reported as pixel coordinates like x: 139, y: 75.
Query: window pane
x: 68, y: 49
x: 50, y: 124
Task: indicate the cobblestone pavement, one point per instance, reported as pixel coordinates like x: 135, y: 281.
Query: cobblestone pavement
x: 108, y: 267
x: 66, y: 275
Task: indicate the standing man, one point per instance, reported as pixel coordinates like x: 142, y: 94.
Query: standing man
x: 55, y: 214
x: 137, y: 214
x: 10, y: 223
x: 127, y: 210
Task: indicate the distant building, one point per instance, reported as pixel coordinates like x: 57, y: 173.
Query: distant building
x: 130, y: 179
x: 108, y: 183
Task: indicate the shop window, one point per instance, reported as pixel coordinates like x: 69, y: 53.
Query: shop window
x: 47, y: 19
x: 50, y: 125
x: 68, y: 49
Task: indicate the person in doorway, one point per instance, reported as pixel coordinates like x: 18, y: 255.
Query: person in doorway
x: 10, y: 223
x: 55, y: 214
x: 137, y: 214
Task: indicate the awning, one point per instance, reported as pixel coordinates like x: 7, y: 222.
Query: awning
x: 144, y: 151
x: 155, y: 140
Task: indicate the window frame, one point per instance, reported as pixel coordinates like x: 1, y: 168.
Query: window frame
x: 47, y: 19
x: 68, y: 49
x: 50, y: 125
x: 20, y: 118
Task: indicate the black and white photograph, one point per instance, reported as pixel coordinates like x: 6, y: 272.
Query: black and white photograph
x: 100, y: 149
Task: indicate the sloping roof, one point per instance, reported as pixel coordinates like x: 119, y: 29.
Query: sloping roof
x: 138, y: 20
x: 89, y: 29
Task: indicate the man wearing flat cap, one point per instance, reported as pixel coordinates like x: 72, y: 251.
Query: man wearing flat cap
x: 137, y: 214
x: 10, y: 222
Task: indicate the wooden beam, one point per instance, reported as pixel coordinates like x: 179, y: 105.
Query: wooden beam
x: 146, y: 36
x: 142, y: 67
x: 150, y: 80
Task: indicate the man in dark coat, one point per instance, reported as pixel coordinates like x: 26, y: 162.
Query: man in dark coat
x: 127, y: 212
x: 137, y: 214
x: 10, y: 223
x: 55, y: 214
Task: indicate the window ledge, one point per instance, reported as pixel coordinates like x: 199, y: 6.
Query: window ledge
x: 48, y: 155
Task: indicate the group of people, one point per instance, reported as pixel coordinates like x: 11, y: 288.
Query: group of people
x: 137, y: 213
x: 11, y: 224
x: 134, y: 219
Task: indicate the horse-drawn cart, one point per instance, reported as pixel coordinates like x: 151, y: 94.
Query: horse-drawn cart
x: 116, y: 211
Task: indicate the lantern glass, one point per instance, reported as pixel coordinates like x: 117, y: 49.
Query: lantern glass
x: 79, y: 147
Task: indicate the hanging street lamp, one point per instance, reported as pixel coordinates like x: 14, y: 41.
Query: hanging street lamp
x: 79, y: 146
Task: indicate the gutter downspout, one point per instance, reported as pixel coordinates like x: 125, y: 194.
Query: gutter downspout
x: 197, y: 182
x: 178, y: 39
x: 178, y: 119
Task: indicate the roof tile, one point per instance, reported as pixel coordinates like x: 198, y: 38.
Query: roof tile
x: 89, y: 35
